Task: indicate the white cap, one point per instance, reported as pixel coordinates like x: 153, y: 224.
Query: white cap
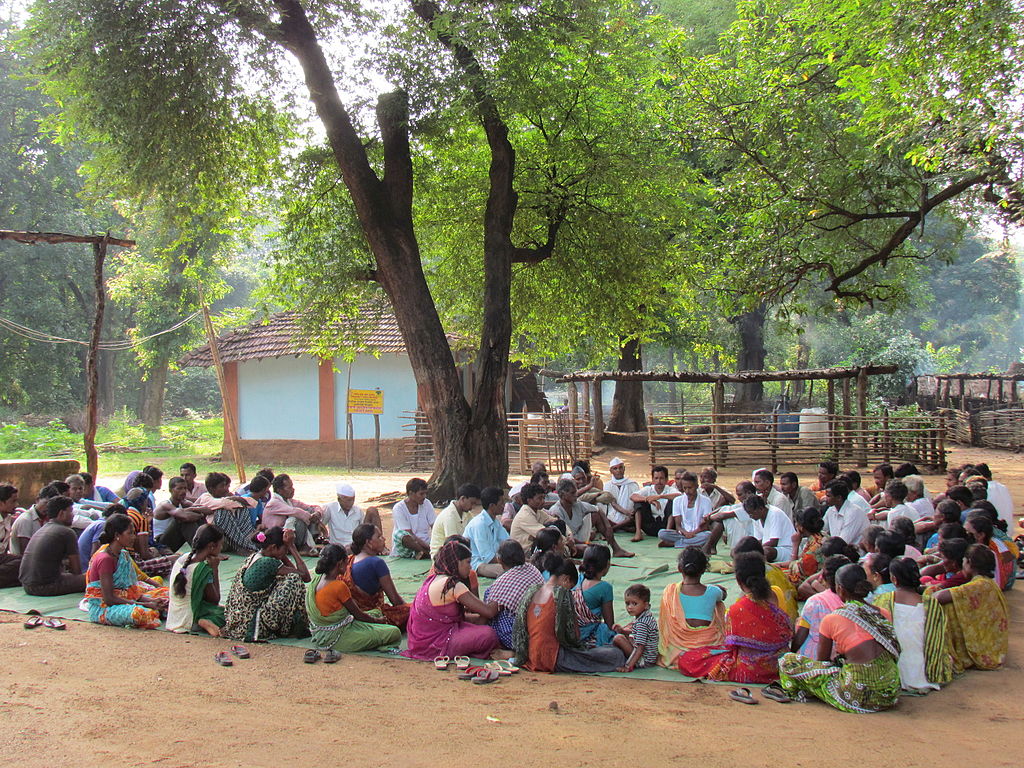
x: 344, y: 489
x: 566, y: 476
x: 615, y: 462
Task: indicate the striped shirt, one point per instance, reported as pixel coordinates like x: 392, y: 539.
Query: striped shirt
x: 645, y: 632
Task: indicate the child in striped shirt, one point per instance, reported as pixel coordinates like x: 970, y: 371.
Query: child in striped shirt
x: 639, y: 639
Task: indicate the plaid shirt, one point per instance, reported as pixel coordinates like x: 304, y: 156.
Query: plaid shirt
x: 509, y: 588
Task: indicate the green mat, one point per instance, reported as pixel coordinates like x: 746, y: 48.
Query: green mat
x: 653, y: 566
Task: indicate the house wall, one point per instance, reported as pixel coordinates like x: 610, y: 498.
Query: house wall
x: 278, y: 399
x: 392, y: 374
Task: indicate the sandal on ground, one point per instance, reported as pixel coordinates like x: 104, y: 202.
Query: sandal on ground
x: 462, y: 662
x: 742, y: 695
x: 496, y: 667
x: 331, y: 656
x: 223, y: 658
x: 470, y: 672
x: 486, y: 676
x: 33, y: 623
x: 507, y: 664
x: 54, y: 624
x: 441, y: 663
x: 775, y: 692
x: 312, y: 656
x: 241, y: 651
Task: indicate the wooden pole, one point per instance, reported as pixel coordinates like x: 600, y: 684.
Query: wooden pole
x: 573, y: 403
x: 349, y: 435
x: 229, y: 417
x: 650, y: 439
x: 773, y: 442
x: 598, y: 412
x: 717, y: 401
x: 92, y: 369
x: 862, y: 413
x: 572, y: 399
x: 843, y: 442
x: 942, y: 443
x: 963, y: 396
x: 376, y: 437
x: 585, y: 406
x: 830, y: 407
x: 886, y: 444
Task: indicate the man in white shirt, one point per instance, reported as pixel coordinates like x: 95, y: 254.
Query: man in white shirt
x: 731, y: 520
x: 764, y: 482
x: 709, y: 487
x: 917, y: 496
x: 894, y: 505
x: 999, y: 495
x: 620, y: 508
x: 451, y: 521
x: 582, y: 518
x: 343, y: 516
x: 413, y: 517
x: 651, y: 503
x: 843, y: 518
x: 687, y: 525
x: 517, y: 489
x: 772, y: 526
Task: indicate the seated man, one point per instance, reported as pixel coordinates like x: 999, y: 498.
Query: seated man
x: 451, y: 521
x: 620, y: 508
x: 844, y: 518
x: 732, y: 521
x: 343, y: 516
x: 998, y: 494
x: 881, y: 475
x: 800, y: 498
x: 50, y: 564
x: 98, y: 493
x: 532, y: 517
x: 285, y: 510
x: 917, y: 496
x: 413, y: 518
x: 827, y: 472
x: 87, y: 511
x: 710, y: 488
x: 9, y: 564
x: 515, y: 493
x: 486, y: 533
x: 193, y: 488
x: 772, y: 527
x: 581, y: 519
x: 893, y: 504
x: 651, y: 504
x: 687, y: 527
x: 764, y: 482
x: 175, y: 521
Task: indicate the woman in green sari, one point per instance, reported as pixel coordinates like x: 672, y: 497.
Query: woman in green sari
x: 195, y: 586
x: 335, y: 621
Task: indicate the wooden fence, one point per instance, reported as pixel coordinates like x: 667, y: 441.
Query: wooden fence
x: 991, y: 428
x: 557, y: 439
x: 771, y: 440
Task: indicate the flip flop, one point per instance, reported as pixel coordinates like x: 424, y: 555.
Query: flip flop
x: 331, y: 656
x: 312, y: 656
x: 441, y: 663
x: 34, y: 622
x: 223, y: 658
x: 507, y: 664
x: 496, y: 667
x: 470, y: 672
x: 462, y: 662
x: 486, y: 676
x: 54, y: 624
x: 776, y: 693
x: 241, y: 651
x: 742, y: 695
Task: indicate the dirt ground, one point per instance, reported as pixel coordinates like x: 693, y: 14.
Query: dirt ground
x: 94, y: 695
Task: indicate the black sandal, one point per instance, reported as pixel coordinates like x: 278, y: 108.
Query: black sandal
x: 312, y: 656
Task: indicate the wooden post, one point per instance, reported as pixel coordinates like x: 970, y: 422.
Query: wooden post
x: 524, y: 438
x: 598, y: 412
x: 963, y: 396
x: 571, y: 399
x: 1000, y: 391
x: 830, y: 407
x: 376, y: 437
x: 92, y: 369
x: 773, y: 442
x: 844, y: 439
x: 573, y: 406
x: 650, y: 439
x: 862, y: 413
x: 717, y: 401
x: 942, y: 443
x: 349, y: 438
x: 586, y: 402
x: 229, y: 416
x: 886, y: 443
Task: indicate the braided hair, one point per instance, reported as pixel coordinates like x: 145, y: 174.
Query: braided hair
x: 205, y: 536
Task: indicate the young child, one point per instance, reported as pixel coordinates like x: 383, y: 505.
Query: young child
x: 639, y: 639
x: 948, y: 573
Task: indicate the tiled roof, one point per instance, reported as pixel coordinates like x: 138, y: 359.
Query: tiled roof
x: 280, y: 335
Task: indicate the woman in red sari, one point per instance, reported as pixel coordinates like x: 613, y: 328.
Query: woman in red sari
x: 757, y: 632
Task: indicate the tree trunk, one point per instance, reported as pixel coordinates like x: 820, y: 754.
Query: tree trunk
x: 92, y: 376
x: 151, y: 394
x: 750, y: 326
x: 628, y: 401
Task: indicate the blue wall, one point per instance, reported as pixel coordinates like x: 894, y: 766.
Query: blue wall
x: 278, y: 399
x: 390, y: 373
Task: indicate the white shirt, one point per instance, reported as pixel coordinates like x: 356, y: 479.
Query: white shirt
x: 691, y: 514
x: 418, y: 524
x: 859, y: 501
x: 737, y: 527
x: 902, y: 510
x: 924, y: 507
x: 658, y: 505
x: 778, y: 499
x: 621, y: 490
x: 848, y: 523
x: 776, y: 525
x: 1000, y: 497
x: 340, y: 523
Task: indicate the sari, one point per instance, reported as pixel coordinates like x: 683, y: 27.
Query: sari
x: 441, y: 630
x: 979, y: 623
x: 857, y: 688
x: 126, y: 587
x: 185, y: 612
x: 933, y: 650
x: 756, y: 634
x: 786, y: 591
x: 339, y: 630
x: 1006, y: 570
x: 397, y: 615
x: 676, y: 636
x: 816, y: 608
x: 808, y: 560
x: 262, y: 605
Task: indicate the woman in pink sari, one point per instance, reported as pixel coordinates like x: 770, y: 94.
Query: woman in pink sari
x: 442, y: 621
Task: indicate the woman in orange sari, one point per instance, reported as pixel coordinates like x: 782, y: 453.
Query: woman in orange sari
x: 369, y: 579
x: 808, y: 558
x: 691, y: 614
x: 757, y: 632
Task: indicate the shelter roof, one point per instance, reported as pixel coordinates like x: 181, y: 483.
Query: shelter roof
x: 729, y: 378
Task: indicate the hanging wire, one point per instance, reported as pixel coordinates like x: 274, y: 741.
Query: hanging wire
x: 119, y: 345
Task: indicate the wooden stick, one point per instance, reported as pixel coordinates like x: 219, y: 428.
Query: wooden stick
x: 229, y: 417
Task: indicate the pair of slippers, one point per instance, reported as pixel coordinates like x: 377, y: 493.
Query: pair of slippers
x: 224, y: 658
x: 329, y: 656
x: 44, y: 621
x: 441, y: 663
x: 774, y: 692
x: 480, y: 675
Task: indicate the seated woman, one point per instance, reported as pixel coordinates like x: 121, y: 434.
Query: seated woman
x: 369, y: 579
x: 597, y: 620
x: 550, y: 539
x: 876, y: 566
x: 195, y: 586
x: 692, y: 615
x: 925, y: 661
x: 949, y: 571
x: 867, y: 679
x: 445, y: 614
x: 113, y: 592
x: 976, y: 614
x: 546, y: 635
x: 979, y: 526
x: 268, y: 596
x: 817, y: 607
x: 784, y: 590
x: 335, y: 620
x: 757, y: 631
x: 229, y: 513
x: 807, y: 542
x: 508, y: 589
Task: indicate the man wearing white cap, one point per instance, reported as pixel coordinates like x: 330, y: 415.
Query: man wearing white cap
x: 343, y: 516
x: 620, y: 509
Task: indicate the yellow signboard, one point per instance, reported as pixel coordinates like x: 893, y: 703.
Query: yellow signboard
x: 365, y: 401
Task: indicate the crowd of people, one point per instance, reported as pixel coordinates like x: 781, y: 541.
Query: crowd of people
x: 849, y: 594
